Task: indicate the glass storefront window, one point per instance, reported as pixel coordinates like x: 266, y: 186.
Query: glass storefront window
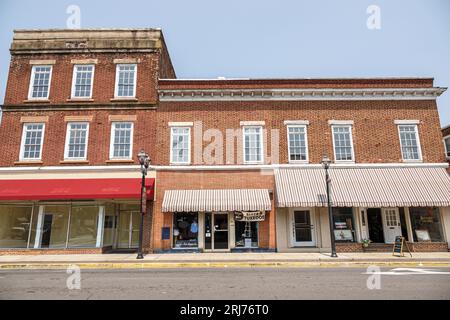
x: 246, y: 234
x: 185, y: 230
x: 109, y: 224
x: 426, y: 224
x: 54, y: 226
x: 83, y: 227
x: 343, y: 224
x: 14, y: 226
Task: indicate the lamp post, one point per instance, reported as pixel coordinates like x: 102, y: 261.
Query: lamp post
x: 144, y: 161
x: 326, y: 164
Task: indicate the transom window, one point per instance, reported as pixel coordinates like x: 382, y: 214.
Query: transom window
x: 343, y: 143
x: 180, y: 145
x: 32, y: 138
x: 447, y: 146
x: 253, y: 144
x: 83, y: 76
x: 121, y: 140
x: 126, y: 80
x: 409, y: 140
x: 76, y: 140
x: 297, y: 143
x: 40, y: 82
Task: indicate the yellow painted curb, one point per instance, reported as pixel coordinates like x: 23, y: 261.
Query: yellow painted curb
x: 162, y: 265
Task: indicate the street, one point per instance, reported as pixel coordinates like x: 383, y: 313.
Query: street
x: 229, y: 283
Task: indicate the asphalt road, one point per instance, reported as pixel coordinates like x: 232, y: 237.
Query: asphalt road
x: 228, y: 283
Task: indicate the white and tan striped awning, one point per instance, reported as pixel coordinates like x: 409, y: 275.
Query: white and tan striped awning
x: 216, y: 200
x: 364, y: 187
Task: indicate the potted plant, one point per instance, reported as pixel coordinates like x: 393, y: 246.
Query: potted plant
x: 365, y: 243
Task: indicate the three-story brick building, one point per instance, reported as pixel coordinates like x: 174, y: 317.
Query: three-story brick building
x: 236, y: 163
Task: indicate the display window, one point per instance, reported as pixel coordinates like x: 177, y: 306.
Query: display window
x: 426, y: 224
x: 185, y: 230
x: 343, y: 224
x: 246, y: 234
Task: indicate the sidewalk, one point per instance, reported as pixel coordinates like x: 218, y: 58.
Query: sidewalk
x: 199, y: 260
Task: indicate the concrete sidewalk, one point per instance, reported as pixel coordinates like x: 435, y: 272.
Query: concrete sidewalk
x: 177, y: 260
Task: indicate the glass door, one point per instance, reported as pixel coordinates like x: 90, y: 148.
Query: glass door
x: 128, y: 230
x: 303, y: 228
x: 220, y: 240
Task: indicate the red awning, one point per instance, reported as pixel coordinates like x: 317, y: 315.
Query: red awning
x: 57, y: 189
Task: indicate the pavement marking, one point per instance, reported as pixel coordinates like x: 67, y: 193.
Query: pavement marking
x: 408, y: 271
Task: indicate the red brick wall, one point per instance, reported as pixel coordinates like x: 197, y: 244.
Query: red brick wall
x: 168, y: 180
x: 55, y: 134
x: 61, y: 81
x: 375, y: 135
x: 445, y: 133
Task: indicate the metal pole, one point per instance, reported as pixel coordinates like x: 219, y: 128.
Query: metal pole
x: 330, y: 215
x: 141, y: 226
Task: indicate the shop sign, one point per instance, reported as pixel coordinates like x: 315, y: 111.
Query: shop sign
x: 250, y: 216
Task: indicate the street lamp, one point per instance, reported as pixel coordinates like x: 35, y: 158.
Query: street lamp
x: 144, y: 161
x: 326, y: 164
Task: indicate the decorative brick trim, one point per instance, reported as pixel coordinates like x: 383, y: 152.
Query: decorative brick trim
x: 122, y: 117
x: 78, y: 118
x: 381, y: 247
x: 29, y: 119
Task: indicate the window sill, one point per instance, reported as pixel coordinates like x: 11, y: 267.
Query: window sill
x: 74, y: 162
x: 124, y: 99
x: 80, y: 100
x: 36, y: 101
x: 120, y: 161
x: 28, y: 162
x: 298, y: 161
x: 412, y: 161
x: 180, y: 163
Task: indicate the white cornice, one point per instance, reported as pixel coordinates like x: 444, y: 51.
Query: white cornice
x: 300, y: 94
x: 136, y: 168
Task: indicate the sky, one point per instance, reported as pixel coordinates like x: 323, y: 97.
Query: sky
x: 267, y: 39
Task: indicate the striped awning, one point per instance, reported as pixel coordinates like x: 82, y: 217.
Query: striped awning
x: 364, y: 187
x: 216, y: 200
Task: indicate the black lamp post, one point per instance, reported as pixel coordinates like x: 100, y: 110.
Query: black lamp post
x: 326, y: 164
x: 144, y: 161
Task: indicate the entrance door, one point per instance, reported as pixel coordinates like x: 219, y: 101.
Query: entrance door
x: 375, y: 225
x: 216, y: 231
x: 303, y: 228
x: 391, y: 224
x: 128, y: 230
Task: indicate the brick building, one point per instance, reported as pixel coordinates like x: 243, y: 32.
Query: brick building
x: 236, y: 163
x: 446, y: 140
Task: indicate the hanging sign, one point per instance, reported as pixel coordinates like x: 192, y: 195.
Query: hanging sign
x: 250, y: 216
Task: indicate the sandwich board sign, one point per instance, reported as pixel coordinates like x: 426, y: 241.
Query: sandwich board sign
x: 399, y: 244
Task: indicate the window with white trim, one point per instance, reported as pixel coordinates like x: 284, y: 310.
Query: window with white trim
x: 297, y: 143
x: 121, y: 140
x: 253, y: 144
x: 40, y: 82
x: 83, y: 77
x: 447, y: 146
x: 343, y: 143
x: 125, y: 80
x: 32, y: 140
x: 409, y: 142
x: 76, y: 140
x: 180, y: 143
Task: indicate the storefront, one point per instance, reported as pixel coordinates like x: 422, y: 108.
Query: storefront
x: 376, y: 204
x: 57, y: 215
x: 216, y: 220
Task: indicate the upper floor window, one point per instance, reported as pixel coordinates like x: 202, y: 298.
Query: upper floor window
x: 121, y: 140
x: 180, y: 145
x: 125, y: 80
x: 40, y: 82
x: 253, y: 144
x: 447, y: 146
x: 76, y: 140
x: 83, y: 77
x: 32, y: 140
x: 297, y: 143
x: 409, y: 141
x: 343, y: 143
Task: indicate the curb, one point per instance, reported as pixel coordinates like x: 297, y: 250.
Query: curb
x: 230, y: 264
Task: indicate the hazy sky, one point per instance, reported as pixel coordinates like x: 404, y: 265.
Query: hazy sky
x: 268, y: 39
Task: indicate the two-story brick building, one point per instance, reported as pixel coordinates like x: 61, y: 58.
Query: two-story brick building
x: 235, y: 162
